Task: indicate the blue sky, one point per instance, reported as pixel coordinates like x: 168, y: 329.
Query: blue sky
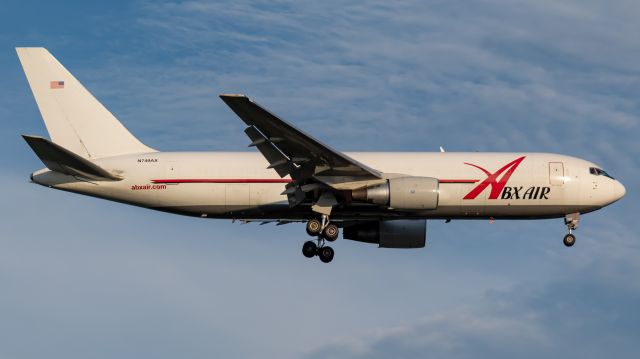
x: 84, y: 278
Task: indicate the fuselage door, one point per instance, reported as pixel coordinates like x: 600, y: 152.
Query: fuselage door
x: 556, y: 173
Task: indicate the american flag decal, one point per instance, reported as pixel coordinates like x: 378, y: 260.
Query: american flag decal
x: 57, y: 84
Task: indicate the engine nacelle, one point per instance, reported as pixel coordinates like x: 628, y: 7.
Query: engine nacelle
x: 402, y: 233
x: 410, y: 193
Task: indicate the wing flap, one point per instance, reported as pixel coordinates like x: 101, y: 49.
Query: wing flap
x: 277, y: 160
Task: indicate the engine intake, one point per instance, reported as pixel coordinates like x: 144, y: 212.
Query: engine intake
x: 410, y: 193
x: 402, y: 233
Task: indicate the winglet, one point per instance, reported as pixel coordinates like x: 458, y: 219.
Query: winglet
x: 59, y: 159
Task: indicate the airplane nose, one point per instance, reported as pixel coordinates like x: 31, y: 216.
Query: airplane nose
x: 618, y: 191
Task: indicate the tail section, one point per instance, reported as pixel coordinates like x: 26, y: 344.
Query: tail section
x: 74, y: 118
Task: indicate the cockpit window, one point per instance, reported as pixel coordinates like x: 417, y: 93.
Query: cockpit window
x: 599, y: 172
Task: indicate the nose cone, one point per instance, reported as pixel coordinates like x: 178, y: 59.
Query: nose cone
x: 618, y: 191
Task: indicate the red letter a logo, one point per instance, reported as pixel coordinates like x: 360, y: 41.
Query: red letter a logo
x: 492, y: 179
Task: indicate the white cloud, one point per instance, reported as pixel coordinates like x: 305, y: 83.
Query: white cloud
x: 582, y: 313
x: 513, y: 75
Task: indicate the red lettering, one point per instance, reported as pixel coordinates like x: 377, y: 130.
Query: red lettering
x: 497, y: 185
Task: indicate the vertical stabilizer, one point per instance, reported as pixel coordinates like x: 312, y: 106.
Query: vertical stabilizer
x: 74, y: 118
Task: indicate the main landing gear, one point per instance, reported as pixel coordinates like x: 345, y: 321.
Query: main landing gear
x: 325, y: 231
x: 311, y: 249
x: 571, y: 221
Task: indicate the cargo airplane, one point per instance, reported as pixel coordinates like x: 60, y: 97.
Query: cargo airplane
x: 382, y: 198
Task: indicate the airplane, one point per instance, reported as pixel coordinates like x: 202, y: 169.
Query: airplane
x: 374, y: 197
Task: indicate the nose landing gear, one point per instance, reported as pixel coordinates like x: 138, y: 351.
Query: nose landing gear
x: 571, y: 221
x: 569, y: 240
x: 324, y: 230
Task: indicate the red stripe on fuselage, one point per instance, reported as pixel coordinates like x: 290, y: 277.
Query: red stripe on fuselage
x: 223, y: 180
x: 458, y: 181
x: 266, y: 180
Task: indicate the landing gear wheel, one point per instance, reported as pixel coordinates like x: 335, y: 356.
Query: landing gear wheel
x: 569, y: 240
x: 309, y: 249
x: 326, y: 254
x: 331, y: 232
x: 313, y: 227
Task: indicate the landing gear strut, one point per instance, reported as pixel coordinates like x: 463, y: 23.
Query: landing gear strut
x: 571, y: 221
x: 324, y: 230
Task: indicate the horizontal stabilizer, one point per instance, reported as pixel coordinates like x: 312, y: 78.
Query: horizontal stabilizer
x: 59, y: 159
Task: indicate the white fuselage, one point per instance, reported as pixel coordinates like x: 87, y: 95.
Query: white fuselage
x: 382, y: 198
x: 239, y: 185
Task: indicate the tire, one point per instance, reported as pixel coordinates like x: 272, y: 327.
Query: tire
x: 331, y: 232
x: 309, y: 249
x: 569, y: 240
x: 326, y: 254
x: 313, y: 227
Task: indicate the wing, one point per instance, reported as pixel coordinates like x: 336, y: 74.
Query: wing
x: 314, y: 167
x: 289, y: 150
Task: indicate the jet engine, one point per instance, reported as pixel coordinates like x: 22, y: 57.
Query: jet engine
x: 402, y: 233
x: 409, y: 193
